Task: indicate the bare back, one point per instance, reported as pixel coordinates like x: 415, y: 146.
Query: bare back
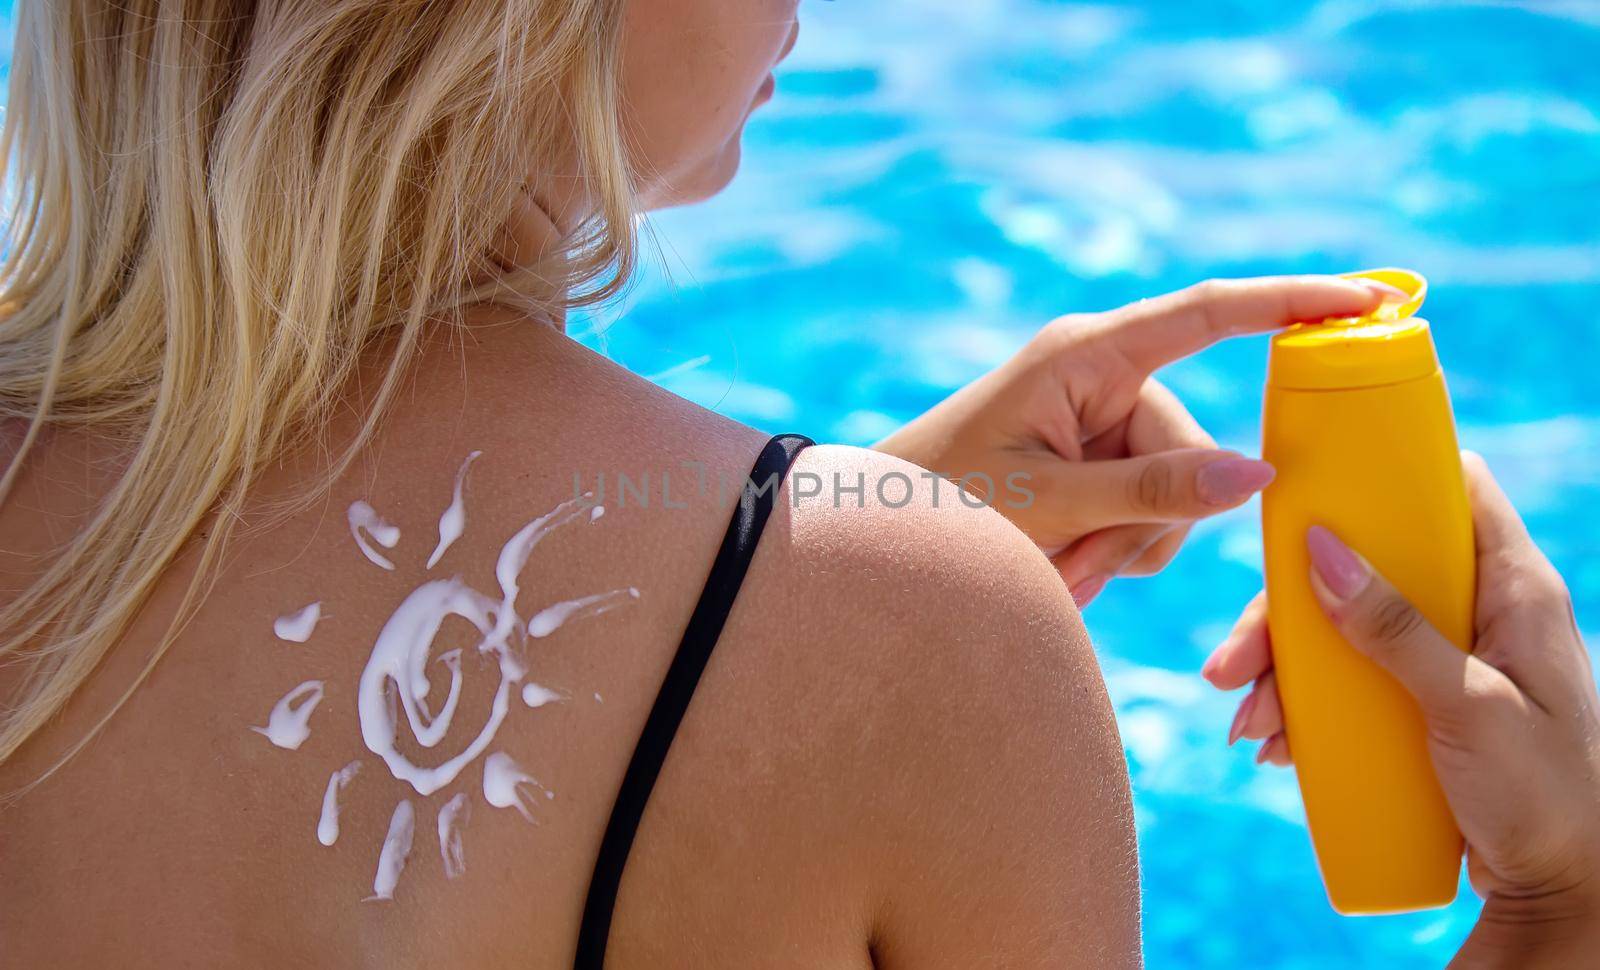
x: 195, y: 829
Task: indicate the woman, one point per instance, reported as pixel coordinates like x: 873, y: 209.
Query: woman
x: 295, y: 434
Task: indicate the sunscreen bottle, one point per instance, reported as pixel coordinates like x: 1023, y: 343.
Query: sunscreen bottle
x: 1357, y: 422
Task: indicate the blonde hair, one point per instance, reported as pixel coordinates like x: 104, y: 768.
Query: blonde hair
x: 217, y: 206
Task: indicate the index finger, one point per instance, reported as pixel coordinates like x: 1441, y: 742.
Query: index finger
x: 1498, y: 529
x: 1152, y: 333
x: 1518, y: 586
x: 1513, y: 572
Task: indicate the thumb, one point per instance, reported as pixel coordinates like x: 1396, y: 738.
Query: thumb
x: 1381, y: 623
x: 1167, y: 486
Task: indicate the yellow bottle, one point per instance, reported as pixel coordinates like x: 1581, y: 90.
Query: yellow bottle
x: 1357, y: 422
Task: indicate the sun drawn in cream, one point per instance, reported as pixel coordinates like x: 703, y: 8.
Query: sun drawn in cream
x: 394, y: 687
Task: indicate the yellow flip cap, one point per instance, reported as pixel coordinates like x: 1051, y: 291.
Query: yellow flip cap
x: 1386, y: 346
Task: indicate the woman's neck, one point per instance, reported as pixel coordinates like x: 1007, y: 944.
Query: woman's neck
x: 532, y: 235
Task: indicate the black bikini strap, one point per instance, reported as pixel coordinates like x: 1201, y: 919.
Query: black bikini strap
x: 699, y: 639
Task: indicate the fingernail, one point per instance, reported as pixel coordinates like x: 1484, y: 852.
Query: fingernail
x: 1237, y: 730
x: 1087, y: 590
x: 1386, y: 293
x: 1228, y: 481
x: 1261, y: 753
x: 1341, y: 570
x: 1209, y: 668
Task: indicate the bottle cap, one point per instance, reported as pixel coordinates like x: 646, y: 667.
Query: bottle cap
x: 1387, y: 346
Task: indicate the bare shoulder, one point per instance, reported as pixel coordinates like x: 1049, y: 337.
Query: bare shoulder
x: 920, y: 692
x: 946, y: 594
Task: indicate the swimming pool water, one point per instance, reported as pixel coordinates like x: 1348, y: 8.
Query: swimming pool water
x: 935, y: 180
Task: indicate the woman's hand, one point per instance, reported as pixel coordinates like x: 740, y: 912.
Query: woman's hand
x: 1117, y: 468
x: 1514, y: 727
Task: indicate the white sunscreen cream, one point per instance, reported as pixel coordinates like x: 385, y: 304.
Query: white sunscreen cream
x: 503, y: 781
x: 399, y: 657
x: 549, y: 619
x: 288, y: 725
x: 297, y: 627
x: 364, y: 521
x: 535, y: 695
x: 396, y: 849
x: 328, y: 824
x: 394, y: 688
x: 452, y: 820
x: 454, y: 520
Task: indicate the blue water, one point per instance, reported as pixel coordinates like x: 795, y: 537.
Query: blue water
x: 935, y: 180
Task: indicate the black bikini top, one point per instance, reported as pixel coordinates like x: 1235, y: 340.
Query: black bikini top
x: 677, y: 690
